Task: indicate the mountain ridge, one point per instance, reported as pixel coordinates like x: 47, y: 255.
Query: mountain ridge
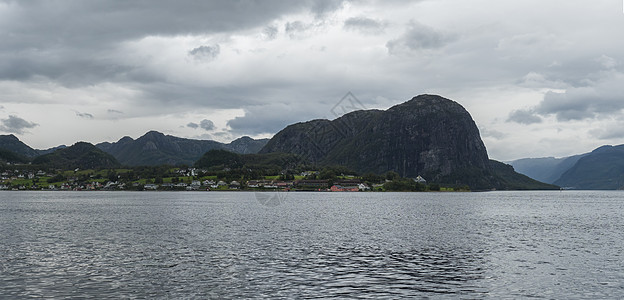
x: 81, y: 155
x: 156, y: 148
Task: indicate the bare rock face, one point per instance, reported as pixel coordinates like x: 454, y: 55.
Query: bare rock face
x: 428, y: 135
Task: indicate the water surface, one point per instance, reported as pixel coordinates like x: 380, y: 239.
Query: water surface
x: 558, y: 245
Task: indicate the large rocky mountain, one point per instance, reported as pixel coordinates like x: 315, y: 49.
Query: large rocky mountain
x: 428, y: 135
x: 155, y: 148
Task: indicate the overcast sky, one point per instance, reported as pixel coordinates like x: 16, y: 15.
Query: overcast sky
x: 540, y: 78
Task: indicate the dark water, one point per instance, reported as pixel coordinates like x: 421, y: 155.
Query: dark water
x: 561, y: 245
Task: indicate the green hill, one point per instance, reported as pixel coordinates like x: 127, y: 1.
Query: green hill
x: 7, y: 156
x: 81, y: 155
x: 220, y: 159
x: 13, y: 144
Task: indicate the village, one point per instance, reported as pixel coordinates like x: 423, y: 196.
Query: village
x: 183, y: 179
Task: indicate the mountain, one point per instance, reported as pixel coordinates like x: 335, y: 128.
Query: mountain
x: 428, y: 135
x: 7, y: 156
x: 220, y: 159
x: 50, y: 150
x: 155, y: 148
x: 545, y: 169
x: 13, y: 144
x: 246, y: 145
x: 509, y: 179
x: 602, y: 169
x: 80, y: 155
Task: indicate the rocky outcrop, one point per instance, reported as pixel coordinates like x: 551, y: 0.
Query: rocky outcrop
x: 429, y: 136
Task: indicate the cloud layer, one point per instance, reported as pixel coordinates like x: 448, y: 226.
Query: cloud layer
x: 532, y: 73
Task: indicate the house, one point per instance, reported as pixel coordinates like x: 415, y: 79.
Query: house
x: 340, y: 188
x: 363, y: 187
x: 151, y: 186
x: 253, y: 184
x: 312, y: 183
x: 234, y: 185
x: 348, y: 182
x: 420, y: 180
x: 284, y: 184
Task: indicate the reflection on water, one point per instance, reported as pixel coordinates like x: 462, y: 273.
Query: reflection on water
x: 359, y: 245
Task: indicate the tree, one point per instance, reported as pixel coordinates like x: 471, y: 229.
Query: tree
x: 391, y: 175
x: 327, y: 174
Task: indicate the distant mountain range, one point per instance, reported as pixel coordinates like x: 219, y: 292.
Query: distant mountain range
x: 601, y: 169
x: 153, y: 148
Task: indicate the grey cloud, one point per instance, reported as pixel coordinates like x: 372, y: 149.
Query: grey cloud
x: 205, y: 52
x: 524, y: 116
x: 495, y: 134
x: 602, y: 98
x: 15, y: 124
x: 114, y: 111
x: 84, y: 115
x: 270, y: 32
x: 273, y: 117
x: 207, y: 125
x: 364, y: 25
x: 105, y: 20
x: 324, y: 7
x: 419, y: 36
x: 607, y: 61
x: 610, y: 132
x: 296, y: 29
x: 60, y: 40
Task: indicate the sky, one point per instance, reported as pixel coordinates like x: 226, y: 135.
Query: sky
x: 540, y: 78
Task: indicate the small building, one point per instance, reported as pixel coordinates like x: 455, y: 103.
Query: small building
x: 150, y: 187
x: 313, y: 183
x: 420, y: 180
x: 340, y: 188
x: 253, y: 184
